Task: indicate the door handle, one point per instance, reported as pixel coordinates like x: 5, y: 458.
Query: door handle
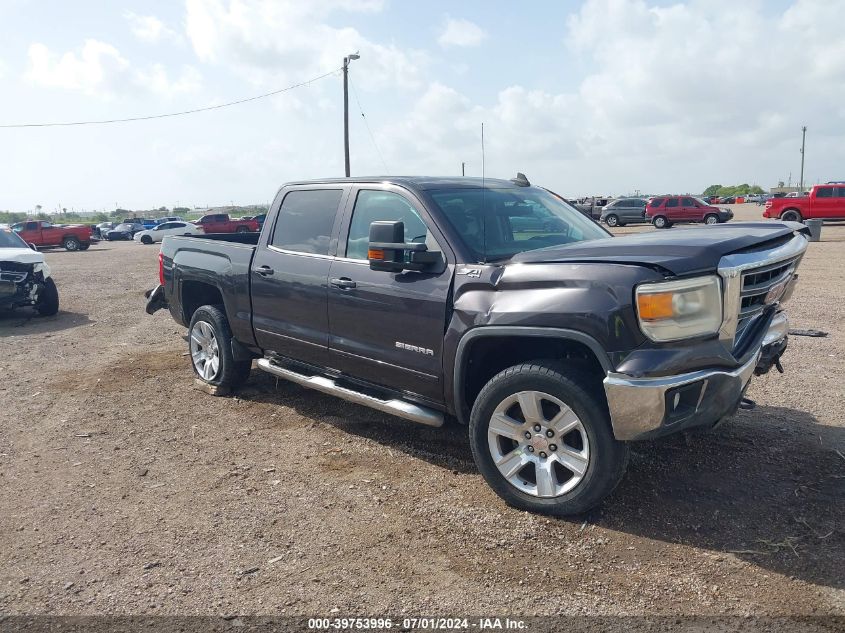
x: 344, y: 283
x: 264, y: 271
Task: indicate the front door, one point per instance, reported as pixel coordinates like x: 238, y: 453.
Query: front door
x: 387, y: 328
x: 824, y: 204
x: 290, y: 272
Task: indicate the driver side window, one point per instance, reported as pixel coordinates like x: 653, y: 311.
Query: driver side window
x: 373, y: 206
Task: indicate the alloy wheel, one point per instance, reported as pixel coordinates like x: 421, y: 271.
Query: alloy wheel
x: 205, y: 353
x: 538, y: 444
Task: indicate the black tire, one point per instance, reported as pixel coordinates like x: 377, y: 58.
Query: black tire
x: 660, y: 222
x: 612, y: 220
x: 242, y: 229
x: 71, y: 243
x: 608, y: 458
x: 711, y: 218
x: 791, y: 215
x: 146, y: 239
x: 85, y: 247
x: 48, y: 298
x: 231, y: 372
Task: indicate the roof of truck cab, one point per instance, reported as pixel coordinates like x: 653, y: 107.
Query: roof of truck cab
x: 415, y: 182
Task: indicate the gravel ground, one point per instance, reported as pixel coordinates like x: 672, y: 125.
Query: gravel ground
x: 127, y: 491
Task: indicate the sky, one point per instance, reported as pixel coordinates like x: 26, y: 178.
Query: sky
x: 600, y: 97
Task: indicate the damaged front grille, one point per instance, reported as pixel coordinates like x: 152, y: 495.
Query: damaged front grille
x: 757, y: 283
x: 14, y: 271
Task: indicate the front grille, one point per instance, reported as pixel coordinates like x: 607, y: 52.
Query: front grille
x: 755, y: 285
x: 14, y: 271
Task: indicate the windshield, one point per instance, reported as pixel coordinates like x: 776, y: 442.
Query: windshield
x: 10, y: 239
x: 497, y: 224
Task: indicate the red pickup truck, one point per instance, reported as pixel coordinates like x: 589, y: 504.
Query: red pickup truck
x: 825, y: 202
x: 222, y: 223
x: 75, y: 237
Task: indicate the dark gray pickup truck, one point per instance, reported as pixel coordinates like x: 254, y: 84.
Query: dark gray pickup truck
x: 497, y: 304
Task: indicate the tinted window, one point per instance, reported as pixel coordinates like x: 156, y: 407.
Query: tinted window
x: 372, y: 206
x: 8, y: 239
x: 672, y: 202
x: 305, y: 221
x: 689, y: 202
x: 656, y: 202
x: 840, y: 192
x: 30, y: 226
x: 824, y: 192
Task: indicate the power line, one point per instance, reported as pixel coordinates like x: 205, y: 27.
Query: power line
x: 171, y: 114
x: 367, y: 124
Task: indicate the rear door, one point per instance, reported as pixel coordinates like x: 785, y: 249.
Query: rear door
x: 673, y: 210
x: 388, y: 328
x: 839, y: 203
x: 290, y: 272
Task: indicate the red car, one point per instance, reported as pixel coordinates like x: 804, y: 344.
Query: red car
x: 664, y: 211
x: 825, y: 202
x: 75, y: 237
x: 222, y: 223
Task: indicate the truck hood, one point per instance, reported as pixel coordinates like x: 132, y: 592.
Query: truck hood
x: 680, y: 251
x: 21, y: 256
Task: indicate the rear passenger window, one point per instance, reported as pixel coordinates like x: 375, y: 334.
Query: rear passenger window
x: 840, y: 192
x: 825, y: 192
x: 672, y: 202
x: 305, y: 221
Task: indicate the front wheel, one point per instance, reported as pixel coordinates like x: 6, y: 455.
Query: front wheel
x: 48, y: 298
x: 210, y: 346
x: 711, y: 219
x: 146, y: 239
x: 542, y: 439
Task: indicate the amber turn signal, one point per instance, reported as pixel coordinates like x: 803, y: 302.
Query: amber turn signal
x: 652, y: 307
x: 373, y: 253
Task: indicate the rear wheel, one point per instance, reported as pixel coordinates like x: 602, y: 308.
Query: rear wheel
x: 612, y: 220
x: 242, y: 229
x: 71, y: 243
x: 84, y: 247
x: 711, y: 218
x: 660, y: 222
x: 210, y: 346
x: 541, y: 438
x: 48, y: 298
x: 791, y: 215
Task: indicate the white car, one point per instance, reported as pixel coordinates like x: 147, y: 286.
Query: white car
x: 167, y: 228
x: 25, y: 277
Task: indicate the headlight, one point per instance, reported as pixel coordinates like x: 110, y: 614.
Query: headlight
x: 674, y: 310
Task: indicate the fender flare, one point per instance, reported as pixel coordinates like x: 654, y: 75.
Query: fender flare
x: 514, y: 330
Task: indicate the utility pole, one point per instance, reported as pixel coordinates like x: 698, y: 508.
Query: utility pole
x: 463, y: 169
x: 803, y: 139
x: 346, y: 61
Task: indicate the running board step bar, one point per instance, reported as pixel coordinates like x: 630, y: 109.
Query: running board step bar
x: 400, y: 408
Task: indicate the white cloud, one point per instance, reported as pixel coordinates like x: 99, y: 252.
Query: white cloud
x: 460, y: 32
x: 281, y: 40
x: 99, y: 69
x: 97, y: 65
x: 147, y: 28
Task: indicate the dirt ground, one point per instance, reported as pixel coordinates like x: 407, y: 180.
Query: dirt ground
x: 123, y: 490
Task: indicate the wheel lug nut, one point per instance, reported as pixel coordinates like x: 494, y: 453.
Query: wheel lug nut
x: 537, y: 427
x: 527, y: 435
x: 530, y: 449
x: 550, y: 433
x: 552, y: 447
x: 542, y: 454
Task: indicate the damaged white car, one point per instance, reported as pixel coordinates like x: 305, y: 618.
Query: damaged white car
x: 25, y: 277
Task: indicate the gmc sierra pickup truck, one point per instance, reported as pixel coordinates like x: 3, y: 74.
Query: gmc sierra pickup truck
x: 73, y: 237
x: 557, y: 346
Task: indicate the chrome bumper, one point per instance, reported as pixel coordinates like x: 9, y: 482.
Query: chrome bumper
x: 643, y: 408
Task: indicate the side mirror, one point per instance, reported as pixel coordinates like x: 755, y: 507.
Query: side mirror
x: 389, y: 252
x: 33, y: 246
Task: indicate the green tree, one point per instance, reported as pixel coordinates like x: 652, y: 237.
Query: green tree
x: 712, y: 190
